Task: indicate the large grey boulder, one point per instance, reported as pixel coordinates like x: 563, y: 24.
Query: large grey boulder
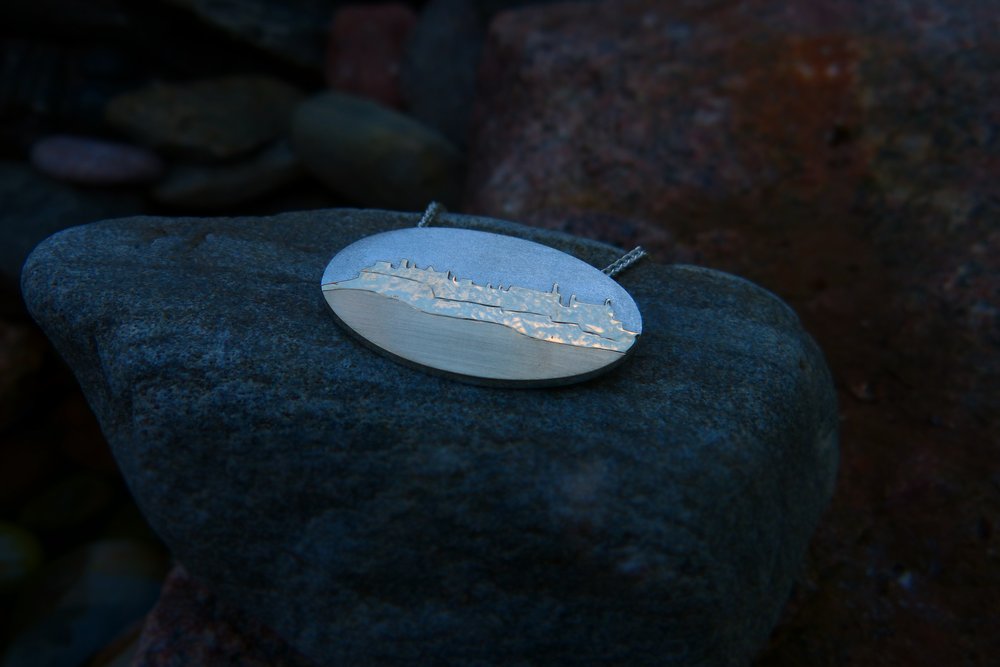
x: 372, y: 514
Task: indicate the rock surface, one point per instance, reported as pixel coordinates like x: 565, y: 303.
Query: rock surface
x: 373, y: 155
x: 657, y: 515
x: 190, y: 626
x: 209, y: 119
x: 844, y: 155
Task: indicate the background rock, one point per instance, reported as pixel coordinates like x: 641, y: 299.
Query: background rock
x: 208, y: 119
x: 291, y: 29
x: 35, y: 206
x: 438, y: 75
x: 370, y: 513
x: 217, y: 186
x: 84, y: 601
x: 841, y: 154
x: 365, y: 49
x: 90, y: 161
x: 372, y: 155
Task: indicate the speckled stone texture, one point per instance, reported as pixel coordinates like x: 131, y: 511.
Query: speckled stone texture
x: 372, y: 514
x: 844, y: 155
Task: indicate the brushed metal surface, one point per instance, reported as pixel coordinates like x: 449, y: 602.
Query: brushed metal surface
x: 467, y: 348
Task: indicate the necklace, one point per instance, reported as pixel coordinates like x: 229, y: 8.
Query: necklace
x: 483, y: 308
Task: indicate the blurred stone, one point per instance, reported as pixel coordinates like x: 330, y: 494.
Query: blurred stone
x: 20, y: 556
x: 90, y: 161
x: 35, y: 207
x: 375, y: 156
x: 122, y: 650
x: 291, y: 29
x: 81, y: 440
x: 22, y: 356
x: 209, y: 119
x: 83, y: 601
x: 25, y: 460
x: 191, y: 626
x: 218, y: 186
x: 68, y: 506
x: 438, y: 78
x: 656, y: 515
x: 365, y: 49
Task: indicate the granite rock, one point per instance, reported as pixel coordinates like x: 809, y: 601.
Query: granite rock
x: 191, y: 626
x: 208, y: 119
x: 656, y: 515
x: 843, y: 155
x: 373, y: 155
x: 35, y: 206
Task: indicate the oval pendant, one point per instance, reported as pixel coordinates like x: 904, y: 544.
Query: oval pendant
x: 480, y: 307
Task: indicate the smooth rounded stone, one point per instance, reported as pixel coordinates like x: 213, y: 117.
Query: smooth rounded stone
x: 375, y: 156
x: 209, y: 119
x: 218, y: 186
x: 83, y: 601
x: 190, y: 625
x: 20, y: 556
x: 365, y: 49
x: 35, y: 206
x: 293, y: 30
x: 374, y: 514
x: 91, y: 161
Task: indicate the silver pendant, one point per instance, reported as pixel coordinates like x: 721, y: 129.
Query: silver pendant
x: 480, y: 307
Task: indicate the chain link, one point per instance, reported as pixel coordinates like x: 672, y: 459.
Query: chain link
x: 625, y: 261
x: 433, y: 209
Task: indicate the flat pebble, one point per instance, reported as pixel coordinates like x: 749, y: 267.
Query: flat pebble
x: 90, y: 161
x: 209, y: 119
x: 373, y: 155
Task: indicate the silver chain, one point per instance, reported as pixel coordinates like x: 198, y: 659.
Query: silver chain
x: 625, y: 261
x: 612, y: 270
x: 433, y: 209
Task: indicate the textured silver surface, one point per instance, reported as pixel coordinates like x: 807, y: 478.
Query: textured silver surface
x: 486, y: 258
x: 539, y: 315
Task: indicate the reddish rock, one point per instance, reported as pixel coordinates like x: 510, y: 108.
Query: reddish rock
x: 94, y: 161
x: 366, y: 48
x: 191, y: 627
x: 843, y: 154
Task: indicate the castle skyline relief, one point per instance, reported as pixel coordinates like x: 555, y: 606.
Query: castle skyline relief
x: 539, y: 315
